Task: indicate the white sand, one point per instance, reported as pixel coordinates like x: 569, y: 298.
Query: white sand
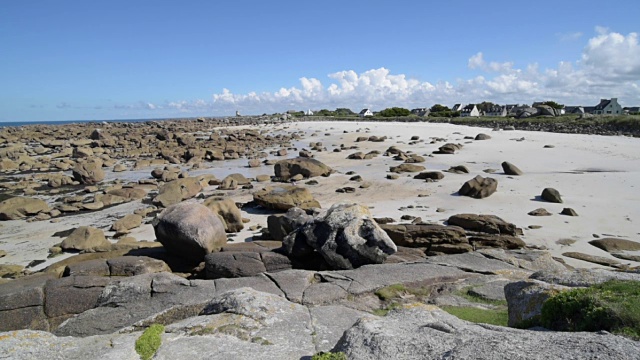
x: 596, y: 176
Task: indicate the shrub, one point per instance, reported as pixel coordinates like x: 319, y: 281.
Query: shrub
x: 498, y: 317
x: 329, y: 356
x: 613, y: 306
x: 149, y: 342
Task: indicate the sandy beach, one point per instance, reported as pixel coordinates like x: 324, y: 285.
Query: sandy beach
x: 597, y: 177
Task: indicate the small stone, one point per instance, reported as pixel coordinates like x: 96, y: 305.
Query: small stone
x: 539, y: 212
x: 568, y: 212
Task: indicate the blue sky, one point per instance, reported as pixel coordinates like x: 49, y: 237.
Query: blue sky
x: 92, y: 60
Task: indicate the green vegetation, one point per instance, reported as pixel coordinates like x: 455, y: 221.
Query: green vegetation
x: 149, y: 342
x: 553, y: 104
x: 329, y: 356
x: 476, y: 315
x: 399, y: 291
x: 613, y: 306
x: 394, y: 111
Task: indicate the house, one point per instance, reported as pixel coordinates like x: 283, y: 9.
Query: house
x: 632, y: 110
x: 608, y: 107
x: 574, y: 110
x: 456, y: 107
x: 365, y: 113
x: 470, y: 110
x: 308, y: 112
x: 496, y: 111
x: 512, y: 109
x: 421, y: 111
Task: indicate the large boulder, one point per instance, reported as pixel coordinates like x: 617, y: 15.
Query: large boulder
x: 489, y: 224
x: 406, y: 168
x: 20, y: 207
x: 228, y: 212
x: 510, y: 169
x: 124, y: 225
x: 427, y: 332
x: 177, y: 191
x: 89, y: 172
x: 281, y: 225
x: 479, y: 187
x: 190, y: 230
x: 86, y: 238
x: 551, y: 195
x: 346, y: 236
x: 285, y: 197
x: 525, y: 299
x: 286, y: 169
x: 434, y: 238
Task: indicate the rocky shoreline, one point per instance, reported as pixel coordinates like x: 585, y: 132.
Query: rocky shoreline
x: 259, y: 237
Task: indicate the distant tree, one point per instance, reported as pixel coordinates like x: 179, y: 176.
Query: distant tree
x: 553, y: 104
x: 324, y: 112
x: 394, y: 111
x: 437, y: 108
x: 485, y: 106
x: 343, y: 112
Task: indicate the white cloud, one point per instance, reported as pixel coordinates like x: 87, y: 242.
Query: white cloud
x: 609, y: 66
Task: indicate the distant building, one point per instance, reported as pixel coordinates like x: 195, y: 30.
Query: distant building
x: 608, y: 107
x: 308, y: 112
x: 578, y: 110
x: 456, y: 107
x: 470, y: 110
x: 421, y: 111
x: 512, y: 109
x: 238, y: 113
x: 632, y: 110
x: 497, y: 110
x: 365, y: 113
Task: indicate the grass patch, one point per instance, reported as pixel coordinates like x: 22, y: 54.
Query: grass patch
x: 149, y: 342
x: 400, y: 291
x: 385, y: 310
x: 613, y: 306
x: 329, y: 356
x: 498, y: 317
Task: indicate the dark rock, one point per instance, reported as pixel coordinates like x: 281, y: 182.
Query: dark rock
x: 286, y: 169
x: 489, y: 224
x: 479, y: 187
x: 433, y: 175
x: 510, y: 169
x: 568, y: 212
x: 551, y: 195
x: 539, y: 212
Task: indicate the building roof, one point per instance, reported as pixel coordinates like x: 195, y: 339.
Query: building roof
x: 603, y: 104
x: 363, y: 111
x: 469, y: 108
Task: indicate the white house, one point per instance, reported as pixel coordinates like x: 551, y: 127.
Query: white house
x: 608, y: 107
x: 470, y: 110
x: 456, y: 107
x: 365, y: 112
x: 496, y: 110
x: 308, y: 112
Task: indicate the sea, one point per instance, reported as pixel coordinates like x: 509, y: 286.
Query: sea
x: 65, y: 122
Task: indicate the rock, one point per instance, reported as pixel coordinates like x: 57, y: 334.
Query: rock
x: 430, y: 237
x: 22, y: 303
x: 135, y: 265
x: 19, y: 207
x: 402, y: 168
x: 525, y: 299
x: 228, y: 212
x: 482, y: 136
x: 254, y: 163
x: 128, y: 193
x: 285, y: 197
x: 86, y: 238
x: 282, y: 225
x: 190, y: 230
x: 89, y: 172
x: 345, y: 235
x: 613, y: 245
x: 285, y: 169
x: 177, y: 191
x: 551, y: 195
x: 242, y: 264
x: 426, y: 332
x: 496, y: 241
x: 84, y: 290
x: 510, y: 169
x: 479, y: 187
x: 489, y: 224
x: 600, y: 260
x: 582, y: 277
x: 539, y: 212
x: 228, y: 183
x: 448, y: 148
x: 10, y: 271
x: 433, y: 175
x: 568, y: 212
x: 459, y: 169
x: 263, y: 178
x: 122, y: 226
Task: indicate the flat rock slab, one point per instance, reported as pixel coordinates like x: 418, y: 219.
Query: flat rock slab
x: 474, y: 262
x: 424, y: 332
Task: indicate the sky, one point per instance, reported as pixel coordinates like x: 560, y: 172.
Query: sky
x: 101, y: 60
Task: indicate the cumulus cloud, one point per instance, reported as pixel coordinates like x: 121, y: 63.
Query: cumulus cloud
x: 609, y: 66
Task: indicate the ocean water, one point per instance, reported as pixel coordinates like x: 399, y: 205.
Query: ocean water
x: 64, y: 122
